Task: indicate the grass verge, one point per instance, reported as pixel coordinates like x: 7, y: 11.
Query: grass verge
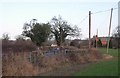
x: 103, y: 68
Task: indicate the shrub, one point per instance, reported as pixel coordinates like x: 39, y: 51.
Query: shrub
x: 17, y: 46
x: 15, y: 65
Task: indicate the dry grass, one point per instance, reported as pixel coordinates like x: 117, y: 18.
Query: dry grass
x: 71, y: 58
x: 107, y: 56
x: 17, y: 65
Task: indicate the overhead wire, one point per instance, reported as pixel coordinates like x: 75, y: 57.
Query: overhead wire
x: 101, y: 11
x: 81, y: 22
x: 84, y: 19
x: 114, y: 8
x: 104, y: 11
x: 103, y: 21
x: 98, y: 12
x: 116, y: 4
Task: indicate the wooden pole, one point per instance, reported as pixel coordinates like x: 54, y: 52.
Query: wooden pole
x: 89, y: 29
x: 109, y: 30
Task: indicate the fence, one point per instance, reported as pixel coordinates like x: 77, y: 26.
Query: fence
x: 36, y: 56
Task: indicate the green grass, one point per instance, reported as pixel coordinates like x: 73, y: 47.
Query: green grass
x: 103, y: 68
x: 113, y: 52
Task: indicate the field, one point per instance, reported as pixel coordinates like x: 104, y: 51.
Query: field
x: 103, y: 68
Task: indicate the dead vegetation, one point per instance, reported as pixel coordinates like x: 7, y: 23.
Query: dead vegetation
x: 14, y: 65
x: 107, y: 57
x: 17, y: 46
x: 17, y: 65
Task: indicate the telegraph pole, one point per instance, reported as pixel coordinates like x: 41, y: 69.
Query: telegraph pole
x: 109, y: 30
x: 89, y: 29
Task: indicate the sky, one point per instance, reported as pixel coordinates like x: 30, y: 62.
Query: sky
x: 14, y: 13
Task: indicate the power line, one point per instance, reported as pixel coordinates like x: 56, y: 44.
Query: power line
x: 114, y: 8
x: 103, y: 21
x: 116, y: 4
x: 104, y: 10
x: 84, y: 19
x: 98, y: 12
x: 101, y: 11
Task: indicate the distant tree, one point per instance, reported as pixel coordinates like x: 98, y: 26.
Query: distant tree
x: 61, y: 29
x: 116, y: 32
x: 6, y: 36
x: 110, y: 43
x: 5, y: 42
x: 37, y: 32
x: 94, y: 42
x: 116, y: 37
x: 75, y: 43
x: 99, y: 43
x: 20, y: 37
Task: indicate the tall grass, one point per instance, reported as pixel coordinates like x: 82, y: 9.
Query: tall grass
x: 16, y: 65
x: 113, y: 52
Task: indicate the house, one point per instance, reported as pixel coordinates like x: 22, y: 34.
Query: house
x: 103, y: 40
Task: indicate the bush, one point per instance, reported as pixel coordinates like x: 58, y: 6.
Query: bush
x: 99, y: 43
x: 17, y: 46
x: 75, y: 43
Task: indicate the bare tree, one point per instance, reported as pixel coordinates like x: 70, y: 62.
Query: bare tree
x: 61, y: 29
x: 6, y: 36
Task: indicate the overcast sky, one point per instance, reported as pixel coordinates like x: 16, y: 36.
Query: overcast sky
x: 14, y: 13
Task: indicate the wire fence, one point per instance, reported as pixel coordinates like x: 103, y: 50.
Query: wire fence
x: 34, y: 57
